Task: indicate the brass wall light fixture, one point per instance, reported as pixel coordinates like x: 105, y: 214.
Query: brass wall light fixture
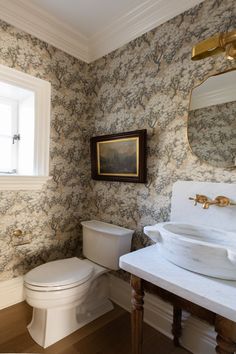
x: 222, y: 42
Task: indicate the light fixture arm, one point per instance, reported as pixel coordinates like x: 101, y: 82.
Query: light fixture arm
x: 222, y: 42
x: 228, y: 37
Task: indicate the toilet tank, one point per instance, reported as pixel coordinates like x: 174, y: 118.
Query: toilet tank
x: 104, y: 243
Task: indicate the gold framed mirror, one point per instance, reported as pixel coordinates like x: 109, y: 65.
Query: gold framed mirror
x: 211, y: 127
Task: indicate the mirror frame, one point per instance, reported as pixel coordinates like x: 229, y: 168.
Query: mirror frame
x: 188, y: 119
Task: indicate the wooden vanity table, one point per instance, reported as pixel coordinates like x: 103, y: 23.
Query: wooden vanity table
x: 210, y: 299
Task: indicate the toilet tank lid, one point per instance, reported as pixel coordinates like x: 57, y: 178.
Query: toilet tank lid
x: 61, y: 272
x: 107, y: 228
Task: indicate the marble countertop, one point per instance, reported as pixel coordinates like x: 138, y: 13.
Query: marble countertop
x: 216, y: 295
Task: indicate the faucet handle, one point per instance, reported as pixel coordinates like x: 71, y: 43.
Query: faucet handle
x: 199, y: 198
x: 223, y: 201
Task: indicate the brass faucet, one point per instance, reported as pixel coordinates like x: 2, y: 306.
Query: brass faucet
x: 220, y: 201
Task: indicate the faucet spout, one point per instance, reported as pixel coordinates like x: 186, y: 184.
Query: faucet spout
x: 208, y: 203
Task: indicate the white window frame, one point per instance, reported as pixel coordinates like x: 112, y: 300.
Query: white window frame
x: 14, y: 106
x: 42, y: 90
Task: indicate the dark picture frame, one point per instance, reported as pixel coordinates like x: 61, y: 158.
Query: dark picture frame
x: 119, y: 157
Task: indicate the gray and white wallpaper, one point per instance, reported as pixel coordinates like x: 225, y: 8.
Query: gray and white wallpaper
x: 144, y: 84
x: 212, y: 134
x: 147, y: 84
x: 49, y: 218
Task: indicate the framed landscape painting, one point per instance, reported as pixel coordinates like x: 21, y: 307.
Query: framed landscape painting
x: 119, y: 157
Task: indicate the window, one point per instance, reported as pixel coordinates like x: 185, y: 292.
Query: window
x: 8, y: 126
x: 16, y: 130
x: 24, y: 130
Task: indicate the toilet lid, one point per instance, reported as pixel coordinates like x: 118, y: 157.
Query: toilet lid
x: 59, y: 273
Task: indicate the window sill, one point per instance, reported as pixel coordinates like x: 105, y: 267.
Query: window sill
x: 25, y: 183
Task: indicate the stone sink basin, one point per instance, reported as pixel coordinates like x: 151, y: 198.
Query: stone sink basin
x: 197, y: 248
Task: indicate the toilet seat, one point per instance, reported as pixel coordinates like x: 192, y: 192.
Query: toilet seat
x: 52, y: 288
x: 59, y: 275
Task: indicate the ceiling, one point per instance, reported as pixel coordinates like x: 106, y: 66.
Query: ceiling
x: 87, y: 16
x: 89, y: 29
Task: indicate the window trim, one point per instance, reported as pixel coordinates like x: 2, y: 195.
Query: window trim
x: 25, y: 183
x: 14, y: 107
x: 42, y: 91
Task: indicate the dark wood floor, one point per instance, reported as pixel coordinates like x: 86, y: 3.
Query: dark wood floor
x: 110, y: 334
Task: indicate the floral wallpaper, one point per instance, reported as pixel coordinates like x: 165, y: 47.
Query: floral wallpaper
x: 147, y: 84
x: 212, y: 134
x: 50, y: 218
x: 144, y: 84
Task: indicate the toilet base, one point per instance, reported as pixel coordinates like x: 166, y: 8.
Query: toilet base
x: 51, y: 325
x: 60, y: 325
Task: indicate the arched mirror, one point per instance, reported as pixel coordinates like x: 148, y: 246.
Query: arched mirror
x: 212, y: 120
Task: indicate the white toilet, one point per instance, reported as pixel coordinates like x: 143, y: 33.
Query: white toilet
x: 68, y: 293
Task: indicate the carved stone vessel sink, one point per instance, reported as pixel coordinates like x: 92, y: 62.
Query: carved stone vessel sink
x: 197, y: 248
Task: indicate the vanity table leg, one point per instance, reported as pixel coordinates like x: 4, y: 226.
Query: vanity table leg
x: 176, y: 326
x: 226, y: 335
x: 137, y: 314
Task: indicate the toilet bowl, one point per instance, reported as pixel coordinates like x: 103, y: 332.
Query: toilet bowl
x: 67, y: 294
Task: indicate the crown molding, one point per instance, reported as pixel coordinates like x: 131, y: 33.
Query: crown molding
x: 143, y: 18
x: 29, y: 18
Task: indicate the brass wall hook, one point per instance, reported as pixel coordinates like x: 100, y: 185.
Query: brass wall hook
x: 17, y: 233
x: 21, y: 238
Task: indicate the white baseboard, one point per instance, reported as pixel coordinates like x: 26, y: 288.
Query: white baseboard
x: 197, y: 336
x: 11, y: 292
